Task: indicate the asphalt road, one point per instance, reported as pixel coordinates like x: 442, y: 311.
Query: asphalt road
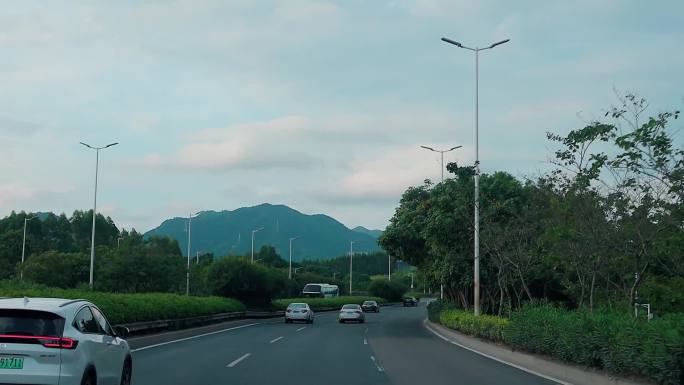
x: 392, y: 347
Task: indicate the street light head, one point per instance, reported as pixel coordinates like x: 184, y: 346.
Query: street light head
x: 499, y: 43
x: 457, y: 44
x: 111, y: 144
x: 87, y: 145
x: 453, y: 148
x: 428, y: 148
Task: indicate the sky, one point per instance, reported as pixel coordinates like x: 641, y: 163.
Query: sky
x: 319, y: 105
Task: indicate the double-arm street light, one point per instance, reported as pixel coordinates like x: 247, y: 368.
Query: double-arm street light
x: 23, y: 246
x: 92, y: 241
x: 254, y: 232
x: 441, y: 152
x: 476, y: 269
x: 289, y: 272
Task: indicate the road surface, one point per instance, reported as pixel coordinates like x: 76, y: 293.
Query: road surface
x: 392, y: 347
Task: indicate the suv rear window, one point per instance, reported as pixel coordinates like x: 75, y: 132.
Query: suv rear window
x: 30, y: 323
x: 312, y: 288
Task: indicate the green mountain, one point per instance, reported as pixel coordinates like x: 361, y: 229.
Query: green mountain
x: 229, y: 232
x: 373, y: 233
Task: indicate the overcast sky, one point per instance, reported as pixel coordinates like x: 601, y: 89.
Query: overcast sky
x: 318, y: 105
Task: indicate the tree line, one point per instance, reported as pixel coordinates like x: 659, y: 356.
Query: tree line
x: 603, y: 228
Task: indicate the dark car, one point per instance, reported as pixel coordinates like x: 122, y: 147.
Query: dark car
x: 370, y: 306
x: 410, y: 301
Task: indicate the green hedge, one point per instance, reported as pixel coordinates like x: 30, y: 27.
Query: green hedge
x: 613, y: 341
x: 604, y: 339
x: 126, y: 308
x: 319, y: 303
x: 484, y: 326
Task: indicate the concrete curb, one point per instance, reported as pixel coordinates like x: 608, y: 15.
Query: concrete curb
x: 540, y: 366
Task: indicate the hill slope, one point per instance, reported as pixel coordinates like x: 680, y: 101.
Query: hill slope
x: 373, y: 233
x: 229, y: 232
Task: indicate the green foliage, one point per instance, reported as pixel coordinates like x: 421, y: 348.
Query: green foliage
x: 237, y: 277
x: 322, y: 303
x: 391, y: 290
x: 603, y: 339
x: 665, y: 295
x: 126, y: 308
x: 435, y: 309
x: 483, y: 326
x: 57, y: 269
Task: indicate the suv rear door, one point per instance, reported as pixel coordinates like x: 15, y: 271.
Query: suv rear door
x: 30, y: 346
x: 115, y: 350
x: 93, y: 343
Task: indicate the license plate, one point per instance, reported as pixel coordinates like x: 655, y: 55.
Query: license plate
x: 11, y: 362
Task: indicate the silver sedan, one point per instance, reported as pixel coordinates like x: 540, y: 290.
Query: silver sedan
x: 351, y: 313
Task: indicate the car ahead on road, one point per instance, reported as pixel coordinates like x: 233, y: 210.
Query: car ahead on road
x: 299, y: 312
x: 351, y: 312
x: 370, y: 306
x: 410, y: 301
x: 54, y: 341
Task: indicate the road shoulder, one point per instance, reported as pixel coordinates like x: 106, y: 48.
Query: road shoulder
x: 535, y: 364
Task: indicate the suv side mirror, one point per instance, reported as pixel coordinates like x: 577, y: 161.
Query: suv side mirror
x: 121, y: 332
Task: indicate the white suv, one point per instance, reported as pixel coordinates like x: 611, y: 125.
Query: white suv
x: 60, y: 342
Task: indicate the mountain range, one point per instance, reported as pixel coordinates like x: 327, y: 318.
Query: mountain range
x: 229, y: 232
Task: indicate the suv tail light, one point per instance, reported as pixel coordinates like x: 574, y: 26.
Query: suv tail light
x: 48, y: 342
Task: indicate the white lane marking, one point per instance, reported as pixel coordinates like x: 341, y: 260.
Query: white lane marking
x: 276, y: 339
x: 192, y: 337
x: 377, y: 365
x: 232, y: 364
x: 366, y: 332
x: 301, y: 328
x: 365, y: 342
x: 524, y: 369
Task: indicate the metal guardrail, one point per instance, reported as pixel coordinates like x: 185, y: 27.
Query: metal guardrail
x: 145, y: 327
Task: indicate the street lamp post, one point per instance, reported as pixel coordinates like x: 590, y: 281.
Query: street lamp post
x: 92, y: 240
x: 254, y: 232
x: 351, y: 264
x: 289, y: 272
x: 118, y: 242
x: 389, y: 267
x: 441, y: 153
x: 23, y: 247
x: 187, y: 271
x: 476, y: 269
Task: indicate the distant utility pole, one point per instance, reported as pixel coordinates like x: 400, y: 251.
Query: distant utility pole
x: 23, y: 246
x: 351, y: 264
x: 441, y: 153
x: 254, y: 232
x: 118, y: 242
x: 92, y: 240
x: 289, y: 272
x: 476, y: 269
x: 389, y: 267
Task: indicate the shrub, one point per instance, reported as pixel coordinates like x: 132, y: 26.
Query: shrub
x: 57, y: 269
x: 390, y: 290
x: 321, y: 303
x: 484, y: 326
x: 249, y: 282
x: 610, y: 340
x: 126, y: 308
x: 435, y: 309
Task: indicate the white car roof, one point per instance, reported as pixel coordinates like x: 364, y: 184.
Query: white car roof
x: 53, y: 305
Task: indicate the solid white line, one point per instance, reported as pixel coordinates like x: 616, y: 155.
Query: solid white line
x: 192, y: 337
x: 365, y: 342
x: 301, y: 328
x: 276, y: 339
x: 232, y: 364
x: 380, y: 369
x: 524, y: 369
x: 366, y: 332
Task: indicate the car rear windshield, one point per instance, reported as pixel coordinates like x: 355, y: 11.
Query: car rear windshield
x: 350, y: 307
x: 312, y: 288
x: 30, y: 323
x: 297, y: 305
x: 369, y: 303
